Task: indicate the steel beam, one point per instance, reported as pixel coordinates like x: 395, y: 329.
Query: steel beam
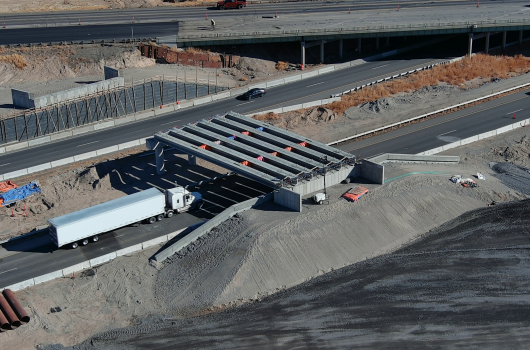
x: 246, y: 149
x: 230, y: 153
x: 319, y: 146
x: 308, y: 163
x: 217, y: 159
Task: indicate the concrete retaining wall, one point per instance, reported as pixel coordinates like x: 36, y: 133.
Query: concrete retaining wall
x: 208, y: 225
x: 288, y: 199
x: 317, y: 183
x: 373, y: 171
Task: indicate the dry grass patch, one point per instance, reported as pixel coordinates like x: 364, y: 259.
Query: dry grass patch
x: 17, y: 60
x: 457, y: 73
x: 282, y: 65
x: 196, y: 50
x: 267, y: 116
x: 243, y: 79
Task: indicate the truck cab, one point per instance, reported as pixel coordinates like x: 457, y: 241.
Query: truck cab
x: 231, y: 4
x: 180, y: 200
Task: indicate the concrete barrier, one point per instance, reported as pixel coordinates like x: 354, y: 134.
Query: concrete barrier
x: 21, y: 285
x: 145, y: 114
x: 82, y: 130
x: 61, y: 135
x: 373, y: 171
x: 487, y: 134
x: 469, y: 140
x: 326, y: 70
x: 102, y: 259
x: 504, y: 129
x: 312, y: 104
x: 107, y: 150
x: 38, y: 168
x: 129, y: 144
x: 172, y: 235
x: 2, y: 150
x: 39, y: 141
x: 84, y: 156
x: 48, y: 277
x: 63, y: 161
x: 220, y: 96
x: 201, y: 101
x: 15, y: 174
x: 129, y: 250
x: 292, y: 78
x: 154, y: 241
x: 77, y: 267
x: 104, y: 125
x: 292, y: 108
x: 16, y: 146
x: 275, y: 83
x: 309, y: 74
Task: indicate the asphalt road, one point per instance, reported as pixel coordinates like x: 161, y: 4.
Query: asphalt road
x: 298, y: 92
x: 37, y: 255
x: 445, y: 129
x: 47, y: 20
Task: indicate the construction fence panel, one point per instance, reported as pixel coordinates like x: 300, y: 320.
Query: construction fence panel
x: 111, y: 104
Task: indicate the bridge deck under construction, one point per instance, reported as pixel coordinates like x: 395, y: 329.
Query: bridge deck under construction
x: 254, y: 149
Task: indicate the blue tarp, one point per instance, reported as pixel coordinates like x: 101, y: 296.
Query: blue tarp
x: 19, y: 193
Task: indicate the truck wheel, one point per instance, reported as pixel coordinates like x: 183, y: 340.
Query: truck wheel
x: 240, y: 6
x: 151, y: 220
x: 95, y: 238
x: 320, y: 202
x: 84, y: 242
x: 160, y: 217
x: 75, y: 245
x: 221, y: 7
x: 169, y: 214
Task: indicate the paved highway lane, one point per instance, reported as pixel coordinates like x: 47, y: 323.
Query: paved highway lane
x: 445, y: 129
x: 169, y: 13
x: 36, y: 256
x: 298, y: 92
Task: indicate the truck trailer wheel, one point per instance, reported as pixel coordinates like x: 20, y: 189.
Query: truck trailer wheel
x: 95, y: 238
x: 151, y: 220
x: 84, y: 242
x: 75, y: 245
x: 169, y: 213
x: 160, y: 217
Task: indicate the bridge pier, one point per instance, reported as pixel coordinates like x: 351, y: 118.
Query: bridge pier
x: 504, y: 39
x: 377, y: 43
x: 470, y: 45
x: 341, y: 48
x: 359, y: 45
x: 192, y: 160
x: 158, y: 148
x: 322, y: 51
x: 302, y: 45
x: 487, y: 48
x: 520, y: 37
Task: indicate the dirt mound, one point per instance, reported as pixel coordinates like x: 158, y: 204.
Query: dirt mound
x: 62, y: 62
x: 518, y: 153
x: 304, y: 118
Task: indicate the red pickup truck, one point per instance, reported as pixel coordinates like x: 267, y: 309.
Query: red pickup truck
x: 231, y: 4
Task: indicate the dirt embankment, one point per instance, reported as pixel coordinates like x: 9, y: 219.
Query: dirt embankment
x: 8, y: 6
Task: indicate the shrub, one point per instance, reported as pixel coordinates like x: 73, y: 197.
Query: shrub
x: 282, y: 65
x: 17, y: 60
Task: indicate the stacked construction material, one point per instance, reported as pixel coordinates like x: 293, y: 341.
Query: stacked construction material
x: 12, y: 314
x: 19, y: 193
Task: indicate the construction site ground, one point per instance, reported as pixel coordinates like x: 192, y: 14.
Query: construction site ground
x: 262, y: 252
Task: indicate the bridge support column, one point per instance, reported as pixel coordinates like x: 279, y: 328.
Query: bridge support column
x: 470, y: 45
x: 405, y: 38
x: 377, y: 43
x: 158, y: 148
x: 387, y: 40
x: 302, y: 45
x: 192, y: 160
x: 341, y: 48
x: 487, y: 48
x: 504, y: 39
x: 322, y: 51
x: 359, y: 45
x: 520, y: 37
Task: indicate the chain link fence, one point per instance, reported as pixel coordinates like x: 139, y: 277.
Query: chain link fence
x: 115, y: 103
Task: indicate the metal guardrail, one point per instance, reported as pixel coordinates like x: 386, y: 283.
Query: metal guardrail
x: 355, y: 30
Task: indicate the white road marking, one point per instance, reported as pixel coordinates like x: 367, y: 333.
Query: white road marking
x: 447, y: 133
x: 514, y: 111
x: 5, y: 164
x: 8, y: 271
x: 384, y: 65
x: 171, y: 122
x: 315, y: 84
x: 84, y: 144
x: 244, y: 103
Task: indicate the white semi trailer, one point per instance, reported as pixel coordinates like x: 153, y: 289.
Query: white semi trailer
x: 83, y: 226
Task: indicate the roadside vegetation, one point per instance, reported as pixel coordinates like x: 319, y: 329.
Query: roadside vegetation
x: 462, y: 73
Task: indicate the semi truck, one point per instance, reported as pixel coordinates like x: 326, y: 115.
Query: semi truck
x: 84, y: 226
